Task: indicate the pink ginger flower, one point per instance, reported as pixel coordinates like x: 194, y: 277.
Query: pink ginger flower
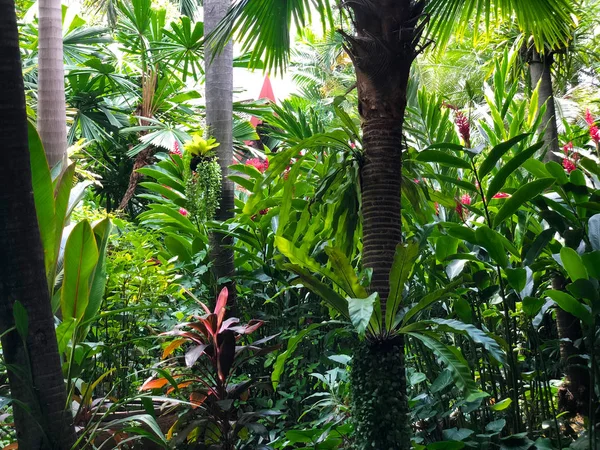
x: 595, y: 134
x: 466, y: 199
x: 436, y: 206
x: 258, y: 164
x: 176, y: 149
x: 568, y: 148
x: 568, y: 165
x: 501, y: 195
x: 184, y: 212
x: 464, y: 128
x: 589, y: 118
x: 416, y: 180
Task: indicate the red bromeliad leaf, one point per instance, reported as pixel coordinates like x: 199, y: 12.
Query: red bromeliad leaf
x: 154, y: 383
x: 226, y: 354
x: 221, y: 304
x: 172, y: 347
x: 180, y: 386
x: 197, y: 398
x: 193, y: 354
x: 249, y: 328
x: 228, y: 323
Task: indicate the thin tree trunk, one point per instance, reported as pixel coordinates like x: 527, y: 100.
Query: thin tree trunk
x: 382, y: 50
x: 540, y: 70
x: 52, y: 115
x: 219, y: 118
x: 35, y: 374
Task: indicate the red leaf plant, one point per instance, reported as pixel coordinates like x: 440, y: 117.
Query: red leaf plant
x: 217, y: 416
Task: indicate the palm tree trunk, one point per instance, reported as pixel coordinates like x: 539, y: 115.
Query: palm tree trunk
x: 52, y: 115
x: 382, y: 50
x: 219, y: 118
x: 35, y: 374
x: 540, y: 70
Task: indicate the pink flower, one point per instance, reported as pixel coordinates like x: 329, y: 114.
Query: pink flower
x: 464, y: 128
x: 595, y: 134
x: 436, y: 206
x: 501, y: 195
x: 183, y: 211
x: 589, y: 118
x: 567, y: 148
x: 465, y: 199
x: 568, y: 165
x: 416, y: 180
x: 258, y: 164
x: 176, y: 150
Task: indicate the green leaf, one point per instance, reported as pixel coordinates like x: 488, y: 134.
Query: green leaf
x: 573, y: 264
x: 532, y: 306
x: 538, y: 245
x: 474, y: 333
x: 452, y: 359
x: 291, y: 347
x: 361, y: 311
x: 571, y: 305
x: 585, y: 289
x: 445, y: 246
x: 496, y: 153
x: 345, y: 273
x: 328, y: 295
x: 64, y: 333
x: 491, y: 241
x: 592, y: 263
x: 501, y: 405
x: 405, y: 256
x: 81, y: 256
x: 524, y: 194
x: 442, y: 158
x: 62, y: 193
x: 21, y: 319
x: 43, y: 195
x: 594, y: 231
x: 98, y: 281
x: 429, y: 299
x: 517, y: 278
x: 558, y: 172
x: 507, y: 169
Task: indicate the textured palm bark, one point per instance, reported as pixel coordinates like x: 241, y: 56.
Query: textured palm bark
x: 36, y: 378
x: 219, y: 118
x: 540, y: 70
x: 52, y: 115
x: 383, y: 48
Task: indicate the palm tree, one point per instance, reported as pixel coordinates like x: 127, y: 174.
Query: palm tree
x: 30, y: 350
x: 52, y: 114
x: 386, y: 39
x: 219, y: 119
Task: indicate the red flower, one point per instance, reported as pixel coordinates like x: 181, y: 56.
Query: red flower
x: 589, y: 118
x: 176, y: 150
x: 262, y: 212
x: 595, y: 134
x: 568, y: 165
x: 258, y: 164
x: 183, y: 211
x: 465, y: 199
x: 501, y: 195
x: 567, y: 148
x: 464, y: 128
x: 436, y: 206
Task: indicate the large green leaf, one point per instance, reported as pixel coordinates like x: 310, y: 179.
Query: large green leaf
x: 429, y: 299
x: 98, y: 280
x: 452, y: 359
x: 571, y: 305
x: 507, y: 169
x: 524, y: 194
x: 405, y: 256
x: 492, y: 242
x: 573, y: 264
x: 496, y: 153
x: 478, y: 336
x: 62, y: 194
x: 328, y: 295
x: 81, y: 256
x: 443, y: 158
x: 43, y: 194
x: 361, y: 311
x: 345, y: 273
